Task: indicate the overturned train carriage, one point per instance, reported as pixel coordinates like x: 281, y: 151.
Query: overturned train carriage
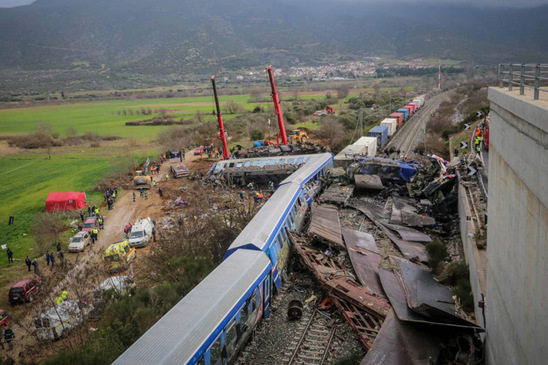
x: 211, y: 324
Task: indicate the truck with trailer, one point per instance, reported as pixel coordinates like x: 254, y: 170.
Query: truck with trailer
x: 381, y: 133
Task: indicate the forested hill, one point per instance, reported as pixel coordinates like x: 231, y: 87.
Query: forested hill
x: 190, y: 36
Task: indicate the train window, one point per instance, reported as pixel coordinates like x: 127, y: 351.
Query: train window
x: 256, y: 163
x: 231, y: 164
x: 215, y: 351
x: 291, y: 161
x: 272, y: 162
x: 300, y: 160
x: 230, y: 334
x: 267, y: 287
x: 247, y: 164
x: 239, y: 164
x: 243, y: 314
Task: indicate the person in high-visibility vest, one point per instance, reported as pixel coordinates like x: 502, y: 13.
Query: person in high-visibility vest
x: 64, y: 295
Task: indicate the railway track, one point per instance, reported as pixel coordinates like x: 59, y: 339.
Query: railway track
x: 313, y: 344
x: 413, y: 131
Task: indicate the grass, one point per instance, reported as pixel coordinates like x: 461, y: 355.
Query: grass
x: 102, y: 117
x: 463, y: 136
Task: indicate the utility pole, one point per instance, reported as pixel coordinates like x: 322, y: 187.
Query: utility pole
x: 439, y: 77
x: 360, y: 121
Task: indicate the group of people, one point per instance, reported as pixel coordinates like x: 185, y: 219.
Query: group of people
x: 110, y: 197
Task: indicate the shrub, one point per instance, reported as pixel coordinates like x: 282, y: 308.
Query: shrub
x: 256, y: 135
x: 437, y: 252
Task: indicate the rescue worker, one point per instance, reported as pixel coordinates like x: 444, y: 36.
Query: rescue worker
x: 260, y: 196
x: 61, y: 257
x: 154, y: 233
x: 456, y: 152
x: 160, y: 192
x: 241, y: 195
x: 133, y: 197
x: 95, y: 232
x: 478, y: 149
x: 146, y: 194
x: 167, y: 177
x: 8, y: 337
x: 100, y: 222
x: 64, y: 294
x: 10, y: 256
x: 82, y: 216
x: 52, y: 258
x: 28, y: 262
x: 35, y: 264
x: 48, y: 259
x: 96, y: 212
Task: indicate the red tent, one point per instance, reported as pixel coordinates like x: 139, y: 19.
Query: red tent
x: 62, y: 202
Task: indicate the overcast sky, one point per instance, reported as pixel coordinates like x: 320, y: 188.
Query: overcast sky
x: 512, y: 3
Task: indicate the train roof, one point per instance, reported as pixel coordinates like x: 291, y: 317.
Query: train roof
x: 310, y: 168
x: 257, y: 232
x: 177, y: 336
x: 256, y: 161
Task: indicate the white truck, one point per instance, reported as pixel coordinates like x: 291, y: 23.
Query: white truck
x: 56, y: 322
x: 141, y: 232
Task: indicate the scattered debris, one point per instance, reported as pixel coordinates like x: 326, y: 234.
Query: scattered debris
x: 325, y: 225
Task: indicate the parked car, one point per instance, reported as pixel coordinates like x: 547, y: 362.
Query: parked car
x: 79, y: 241
x: 141, y: 232
x: 23, y: 291
x: 199, y: 151
x: 89, y: 224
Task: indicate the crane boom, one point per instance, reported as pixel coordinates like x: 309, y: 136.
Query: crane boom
x: 277, y: 108
x: 222, y: 133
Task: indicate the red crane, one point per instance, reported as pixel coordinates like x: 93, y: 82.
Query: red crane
x: 222, y: 132
x: 277, y: 107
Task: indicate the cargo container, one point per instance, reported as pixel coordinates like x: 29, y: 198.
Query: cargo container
x: 370, y: 143
x: 392, y: 124
x: 415, y: 106
x: 405, y: 113
x: 410, y: 108
x: 346, y: 156
x: 399, y: 117
x: 419, y: 102
x: 381, y: 132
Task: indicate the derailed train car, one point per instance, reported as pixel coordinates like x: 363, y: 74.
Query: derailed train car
x: 211, y: 324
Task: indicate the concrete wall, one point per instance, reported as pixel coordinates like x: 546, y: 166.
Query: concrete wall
x: 474, y: 257
x: 517, y: 240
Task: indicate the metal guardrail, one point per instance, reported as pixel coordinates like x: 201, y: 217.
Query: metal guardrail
x: 531, y: 76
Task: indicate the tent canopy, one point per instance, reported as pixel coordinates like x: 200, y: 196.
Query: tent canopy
x: 63, y: 202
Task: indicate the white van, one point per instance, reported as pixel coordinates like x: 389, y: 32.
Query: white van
x: 56, y: 322
x: 141, y: 232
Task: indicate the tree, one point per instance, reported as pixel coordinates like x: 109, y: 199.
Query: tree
x: 331, y: 132
x: 46, y: 229
x: 343, y: 91
x: 71, y: 132
x: 232, y: 107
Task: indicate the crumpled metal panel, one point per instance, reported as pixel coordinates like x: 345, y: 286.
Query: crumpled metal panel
x: 402, y: 343
x: 425, y: 295
x: 372, y: 182
x: 325, y: 224
x: 396, y: 294
x: 407, y: 233
x: 365, y: 259
x: 338, y: 194
x: 410, y: 250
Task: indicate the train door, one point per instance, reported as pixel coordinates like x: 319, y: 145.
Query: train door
x: 267, y: 290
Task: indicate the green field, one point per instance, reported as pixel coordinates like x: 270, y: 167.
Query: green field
x: 106, y: 118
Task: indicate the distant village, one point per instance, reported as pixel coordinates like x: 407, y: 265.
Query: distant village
x: 339, y: 71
